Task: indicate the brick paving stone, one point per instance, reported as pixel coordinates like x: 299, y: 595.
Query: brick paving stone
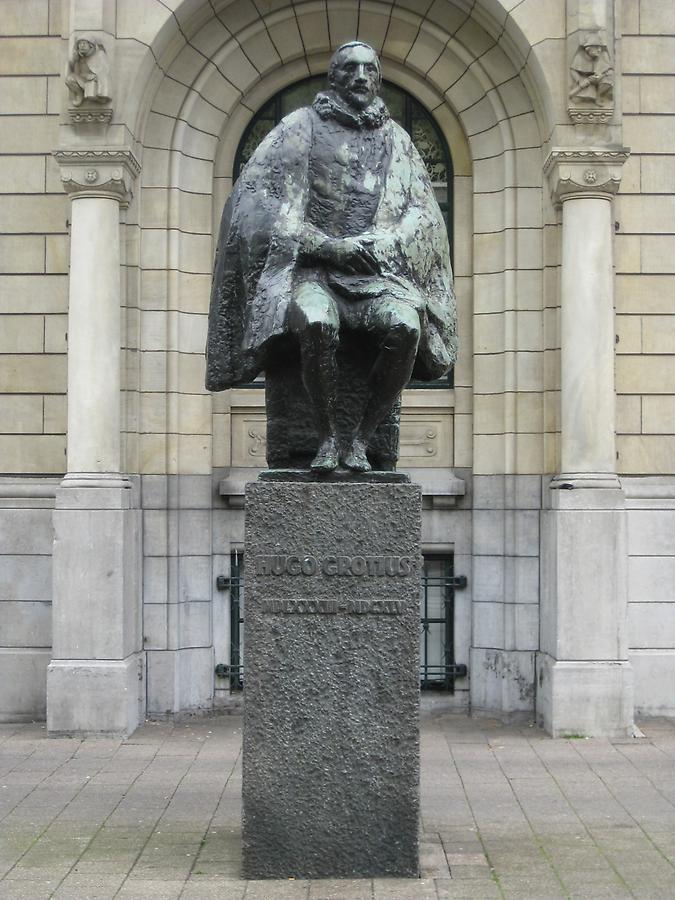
x: 513, y: 886
x: 343, y: 889
x: 28, y: 890
x: 277, y: 890
x: 433, y: 861
x: 404, y: 889
x: 161, y: 889
x: 91, y: 887
x: 220, y: 889
x: 588, y: 882
x: 113, y: 865
x: 51, y: 873
x: 449, y: 889
x: 468, y: 872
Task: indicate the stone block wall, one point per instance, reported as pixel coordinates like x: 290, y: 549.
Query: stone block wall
x: 645, y: 362
x: 651, y: 592
x: 505, y: 612
x: 33, y: 325
x: 26, y: 537
x: 33, y: 241
x: 178, y: 628
x: 645, y: 243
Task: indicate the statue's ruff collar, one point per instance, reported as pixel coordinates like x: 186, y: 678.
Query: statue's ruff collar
x: 329, y: 106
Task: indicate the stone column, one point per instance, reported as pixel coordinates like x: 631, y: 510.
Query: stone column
x: 95, y: 678
x: 584, y: 677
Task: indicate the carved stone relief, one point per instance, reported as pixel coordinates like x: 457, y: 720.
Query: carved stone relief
x: 88, y: 81
x: 426, y: 438
x: 589, y: 172
x: 249, y: 439
x: 591, y: 95
x: 97, y: 173
x: 591, y: 61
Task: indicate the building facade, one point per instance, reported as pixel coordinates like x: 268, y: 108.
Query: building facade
x: 547, y: 463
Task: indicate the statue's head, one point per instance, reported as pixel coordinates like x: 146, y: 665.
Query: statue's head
x: 354, y: 74
x: 593, y: 50
x: 593, y: 43
x: 84, y: 47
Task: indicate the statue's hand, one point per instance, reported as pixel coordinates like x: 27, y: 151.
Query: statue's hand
x: 353, y: 256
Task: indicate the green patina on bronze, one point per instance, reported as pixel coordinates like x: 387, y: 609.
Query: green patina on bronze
x: 333, y: 276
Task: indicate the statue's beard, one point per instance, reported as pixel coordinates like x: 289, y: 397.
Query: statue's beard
x: 330, y: 105
x: 359, y: 100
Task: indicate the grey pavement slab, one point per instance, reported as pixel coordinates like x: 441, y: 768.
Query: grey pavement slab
x: 506, y: 813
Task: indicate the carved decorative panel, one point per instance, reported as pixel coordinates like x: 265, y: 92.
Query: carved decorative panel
x: 248, y: 439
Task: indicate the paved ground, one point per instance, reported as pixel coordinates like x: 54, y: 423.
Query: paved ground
x: 507, y: 812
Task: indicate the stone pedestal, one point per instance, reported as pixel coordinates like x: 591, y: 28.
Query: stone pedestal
x: 584, y: 678
x: 331, y: 744
x: 95, y: 681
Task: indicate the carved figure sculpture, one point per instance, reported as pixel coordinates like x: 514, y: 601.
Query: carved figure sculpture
x: 331, y: 230
x: 592, y: 73
x: 88, y: 75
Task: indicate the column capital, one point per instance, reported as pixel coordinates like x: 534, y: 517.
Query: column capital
x: 98, y: 172
x: 584, y: 172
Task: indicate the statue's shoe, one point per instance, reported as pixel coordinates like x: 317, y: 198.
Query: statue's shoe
x: 356, y: 459
x: 327, y: 457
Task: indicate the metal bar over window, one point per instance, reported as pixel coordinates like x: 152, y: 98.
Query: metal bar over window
x: 438, y: 668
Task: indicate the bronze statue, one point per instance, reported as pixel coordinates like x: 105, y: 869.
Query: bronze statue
x: 333, y: 231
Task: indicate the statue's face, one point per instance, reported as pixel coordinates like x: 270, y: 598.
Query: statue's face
x: 85, y: 48
x: 356, y: 77
x: 593, y: 51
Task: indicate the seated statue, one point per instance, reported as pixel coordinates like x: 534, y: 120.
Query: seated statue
x: 88, y: 76
x: 333, y: 255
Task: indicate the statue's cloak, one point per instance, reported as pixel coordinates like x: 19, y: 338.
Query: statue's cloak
x: 260, y: 241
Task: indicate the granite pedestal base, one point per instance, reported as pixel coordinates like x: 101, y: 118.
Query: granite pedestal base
x: 331, y: 746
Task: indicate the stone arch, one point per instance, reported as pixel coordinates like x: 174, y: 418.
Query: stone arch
x: 479, y: 89
x: 210, y: 69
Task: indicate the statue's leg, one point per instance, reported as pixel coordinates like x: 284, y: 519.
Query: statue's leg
x: 314, y: 318
x: 399, y: 326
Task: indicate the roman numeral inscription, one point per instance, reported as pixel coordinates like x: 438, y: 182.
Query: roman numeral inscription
x: 333, y: 607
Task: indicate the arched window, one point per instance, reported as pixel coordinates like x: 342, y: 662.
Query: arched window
x: 404, y: 110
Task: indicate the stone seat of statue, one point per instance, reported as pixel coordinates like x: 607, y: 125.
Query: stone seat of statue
x: 292, y: 439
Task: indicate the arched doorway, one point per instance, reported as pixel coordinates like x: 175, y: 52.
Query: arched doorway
x: 196, y: 123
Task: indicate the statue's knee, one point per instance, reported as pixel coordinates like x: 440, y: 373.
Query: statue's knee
x: 404, y: 332
x: 317, y: 329
x: 313, y: 320
x: 322, y: 331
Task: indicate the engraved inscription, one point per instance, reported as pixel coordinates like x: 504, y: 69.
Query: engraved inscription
x: 333, y: 607
x: 391, y: 566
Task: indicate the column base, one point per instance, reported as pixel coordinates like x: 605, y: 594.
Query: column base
x: 95, y: 682
x: 89, y: 480
x: 584, y: 679
x: 585, y: 699
x: 95, y: 696
x: 585, y: 480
